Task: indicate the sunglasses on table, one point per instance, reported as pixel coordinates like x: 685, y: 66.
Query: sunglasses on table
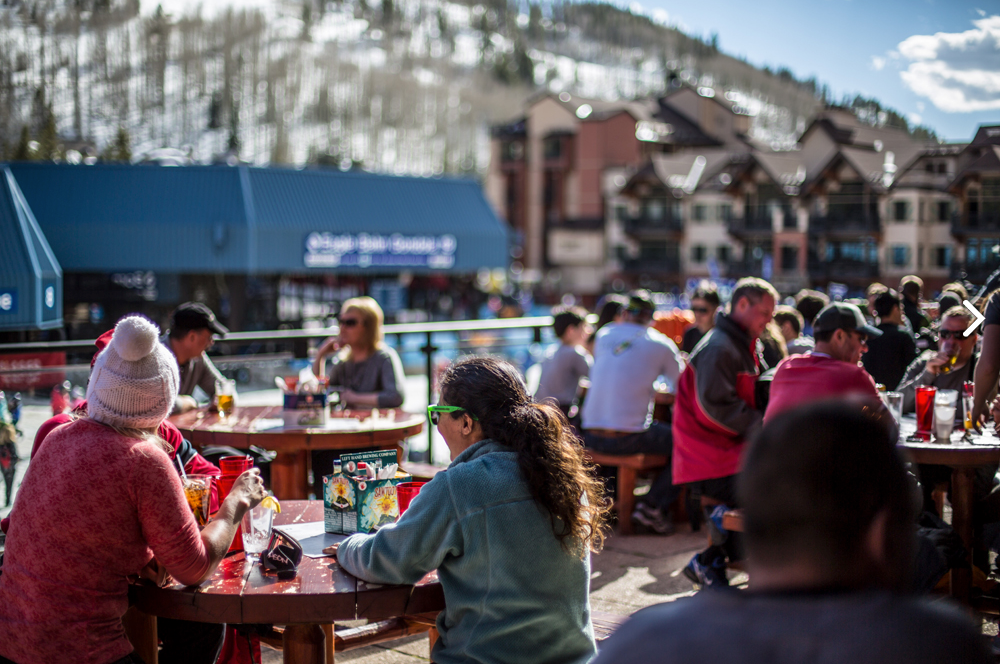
x: 349, y: 322
x: 434, y: 412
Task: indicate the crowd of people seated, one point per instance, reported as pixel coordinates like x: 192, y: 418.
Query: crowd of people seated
x: 768, y: 404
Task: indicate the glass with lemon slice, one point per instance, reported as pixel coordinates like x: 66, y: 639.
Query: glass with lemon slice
x: 257, y: 524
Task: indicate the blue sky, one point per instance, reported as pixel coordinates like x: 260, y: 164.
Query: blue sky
x: 935, y: 61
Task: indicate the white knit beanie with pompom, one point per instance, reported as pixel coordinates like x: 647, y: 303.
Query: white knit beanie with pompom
x: 135, y: 379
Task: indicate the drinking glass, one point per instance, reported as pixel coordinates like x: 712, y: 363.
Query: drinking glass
x: 946, y: 397
x: 894, y: 402
x: 944, y: 422
x: 197, y: 491
x: 925, y: 410
x: 256, y: 526
x: 225, y: 392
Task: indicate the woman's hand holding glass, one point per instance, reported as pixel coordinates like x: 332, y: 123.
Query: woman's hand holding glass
x: 248, y: 490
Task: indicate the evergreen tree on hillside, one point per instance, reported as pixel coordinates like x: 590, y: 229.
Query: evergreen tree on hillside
x: 49, y: 148
x: 23, y: 151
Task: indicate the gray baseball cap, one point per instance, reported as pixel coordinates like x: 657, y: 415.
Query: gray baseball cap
x: 843, y: 316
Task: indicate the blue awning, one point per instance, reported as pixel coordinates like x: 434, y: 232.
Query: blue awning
x: 243, y: 220
x: 30, y: 276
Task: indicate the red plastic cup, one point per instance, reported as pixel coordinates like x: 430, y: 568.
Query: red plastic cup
x: 235, y: 465
x: 232, y: 467
x: 925, y: 411
x: 405, y: 491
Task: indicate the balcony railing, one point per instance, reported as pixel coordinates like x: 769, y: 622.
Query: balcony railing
x: 974, y: 223
x: 845, y: 220
x: 843, y: 269
x: 652, y: 265
x: 254, y: 359
x: 977, y: 273
x: 751, y: 225
x: 643, y: 226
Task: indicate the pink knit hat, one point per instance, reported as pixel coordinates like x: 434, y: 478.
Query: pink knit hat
x: 135, y: 379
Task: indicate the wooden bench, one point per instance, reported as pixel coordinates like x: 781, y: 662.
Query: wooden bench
x: 605, y: 624
x: 349, y: 638
x: 629, y: 466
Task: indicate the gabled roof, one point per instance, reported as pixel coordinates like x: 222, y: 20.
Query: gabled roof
x: 786, y: 169
x: 988, y: 162
x: 685, y: 172
x: 243, y: 220
x: 986, y: 135
x: 30, y: 275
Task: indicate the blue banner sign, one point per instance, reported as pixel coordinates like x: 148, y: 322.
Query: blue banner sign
x: 369, y: 250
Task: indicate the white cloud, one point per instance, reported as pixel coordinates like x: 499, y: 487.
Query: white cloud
x: 878, y: 63
x: 661, y: 16
x: 915, y: 118
x: 921, y: 106
x: 958, y: 72
x: 981, y: 12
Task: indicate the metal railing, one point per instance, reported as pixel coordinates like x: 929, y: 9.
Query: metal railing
x: 426, y: 339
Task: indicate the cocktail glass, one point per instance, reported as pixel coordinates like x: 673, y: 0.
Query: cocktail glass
x: 197, y: 491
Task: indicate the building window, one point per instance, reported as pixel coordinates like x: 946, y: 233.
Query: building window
x: 900, y: 255
x: 722, y: 253
x: 900, y: 211
x: 789, y: 258
x: 513, y: 151
x: 942, y: 256
x: 943, y: 210
x: 790, y: 221
x: 942, y: 168
x: 920, y: 256
x: 725, y: 212
x: 621, y: 212
x: 929, y: 167
x: 653, y: 209
x: 699, y: 212
x: 553, y: 148
x: 698, y: 253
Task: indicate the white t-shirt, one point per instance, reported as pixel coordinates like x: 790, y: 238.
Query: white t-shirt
x: 628, y: 358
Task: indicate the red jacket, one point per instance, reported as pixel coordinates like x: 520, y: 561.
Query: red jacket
x: 714, y: 411
x: 194, y: 463
x: 802, y: 379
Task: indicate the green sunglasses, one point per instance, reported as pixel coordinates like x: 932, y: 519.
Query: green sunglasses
x: 434, y: 412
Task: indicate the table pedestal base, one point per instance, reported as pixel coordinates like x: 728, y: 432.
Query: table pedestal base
x: 304, y: 644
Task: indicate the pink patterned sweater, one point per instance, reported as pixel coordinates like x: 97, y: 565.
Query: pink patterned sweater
x: 94, y: 508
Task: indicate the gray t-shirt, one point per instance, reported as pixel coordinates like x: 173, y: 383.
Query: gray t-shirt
x: 628, y: 358
x: 561, y: 374
x: 867, y: 627
x: 381, y: 373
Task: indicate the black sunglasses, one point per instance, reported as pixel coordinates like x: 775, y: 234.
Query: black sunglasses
x: 349, y: 322
x: 283, y: 555
x: 950, y: 334
x: 700, y: 310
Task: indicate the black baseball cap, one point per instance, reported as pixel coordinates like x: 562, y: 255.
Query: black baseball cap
x: 196, y: 316
x: 843, y: 316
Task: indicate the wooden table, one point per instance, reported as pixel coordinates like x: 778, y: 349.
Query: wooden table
x: 963, y: 458
x: 321, y: 594
x: 257, y: 425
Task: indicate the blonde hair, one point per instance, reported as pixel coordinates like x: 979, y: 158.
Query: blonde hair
x: 138, y: 434
x: 371, y: 320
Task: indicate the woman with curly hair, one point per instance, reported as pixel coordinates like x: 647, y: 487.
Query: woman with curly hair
x: 509, y: 526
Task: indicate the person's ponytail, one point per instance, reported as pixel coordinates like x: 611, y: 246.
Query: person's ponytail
x: 549, y: 455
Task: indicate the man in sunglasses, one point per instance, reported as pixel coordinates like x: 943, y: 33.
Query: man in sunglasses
x: 832, y: 368
x: 948, y: 367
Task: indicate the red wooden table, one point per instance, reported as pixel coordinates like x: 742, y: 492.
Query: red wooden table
x: 963, y: 456
x: 321, y: 594
x: 257, y: 425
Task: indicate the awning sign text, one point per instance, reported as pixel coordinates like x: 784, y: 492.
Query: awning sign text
x: 369, y: 250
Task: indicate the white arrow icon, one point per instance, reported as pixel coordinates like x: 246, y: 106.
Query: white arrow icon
x: 978, y: 321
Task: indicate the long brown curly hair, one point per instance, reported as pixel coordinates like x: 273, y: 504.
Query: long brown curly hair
x: 550, y: 457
